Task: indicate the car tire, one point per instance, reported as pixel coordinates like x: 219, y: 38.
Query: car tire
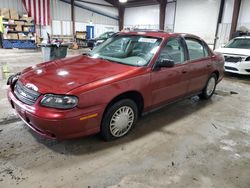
x: 119, y: 119
x: 209, y: 89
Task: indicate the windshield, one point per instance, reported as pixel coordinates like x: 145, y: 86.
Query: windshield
x: 128, y: 49
x: 239, y: 43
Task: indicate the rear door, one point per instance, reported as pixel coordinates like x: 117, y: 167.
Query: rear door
x: 200, y: 64
x: 170, y: 83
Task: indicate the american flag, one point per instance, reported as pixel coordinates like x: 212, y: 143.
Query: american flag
x: 39, y: 10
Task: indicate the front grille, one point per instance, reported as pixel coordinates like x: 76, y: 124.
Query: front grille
x: 231, y: 68
x: 232, y: 59
x: 24, y: 94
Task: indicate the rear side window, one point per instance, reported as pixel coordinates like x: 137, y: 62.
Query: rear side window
x: 196, y: 49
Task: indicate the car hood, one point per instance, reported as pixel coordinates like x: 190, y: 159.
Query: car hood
x: 61, y: 76
x: 234, y: 51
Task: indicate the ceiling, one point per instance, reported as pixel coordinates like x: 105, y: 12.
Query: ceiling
x: 134, y: 3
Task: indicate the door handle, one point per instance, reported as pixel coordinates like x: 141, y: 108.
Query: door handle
x: 209, y: 65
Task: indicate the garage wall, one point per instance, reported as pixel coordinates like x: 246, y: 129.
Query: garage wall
x: 169, y: 17
x: 62, y: 11
x: 145, y: 17
x: 197, y: 17
x: 225, y: 26
x: 61, y: 18
x: 244, y: 16
x: 108, y: 10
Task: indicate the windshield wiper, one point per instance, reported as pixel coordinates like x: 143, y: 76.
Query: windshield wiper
x: 86, y: 54
x: 105, y: 59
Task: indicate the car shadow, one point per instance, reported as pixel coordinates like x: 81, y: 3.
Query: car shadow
x: 154, y: 121
x: 237, y: 77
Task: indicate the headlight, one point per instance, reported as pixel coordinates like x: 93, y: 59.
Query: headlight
x: 59, y: 101
x: 248, y: 59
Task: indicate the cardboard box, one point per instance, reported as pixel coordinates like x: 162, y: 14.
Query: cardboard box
x: 12, y: 36
x: 25, y: 16
x: 26, y: 29
x: 28, y: 24
x: 81, y: 35
x: 5, y: 12
x: 19, y: 28
x: 19, y: 22
x: 28, y: 19
x: 22, y: 36
x: 5, y: 36
x: 11, y: 21
x: 14, y: 14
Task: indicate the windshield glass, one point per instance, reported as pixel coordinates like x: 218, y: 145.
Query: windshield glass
x: 239, y: 43
x: 128, y: 49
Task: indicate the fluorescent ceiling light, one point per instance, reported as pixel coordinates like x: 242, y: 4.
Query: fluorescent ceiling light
x: 123, y: 1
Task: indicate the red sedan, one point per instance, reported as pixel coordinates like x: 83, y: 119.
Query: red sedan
x: 107, y: 89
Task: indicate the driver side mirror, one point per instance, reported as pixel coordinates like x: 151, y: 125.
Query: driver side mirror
x: 166, y: 63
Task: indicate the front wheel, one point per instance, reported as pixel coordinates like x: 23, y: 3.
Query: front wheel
x: 119, y: 119
x: 208, y: 91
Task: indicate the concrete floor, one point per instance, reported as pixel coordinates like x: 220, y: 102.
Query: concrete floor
x: 191, y: 143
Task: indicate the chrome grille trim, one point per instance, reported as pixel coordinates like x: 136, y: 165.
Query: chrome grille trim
x: 24, y: 94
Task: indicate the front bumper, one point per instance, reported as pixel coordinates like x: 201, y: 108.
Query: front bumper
x: 57, y: 124
x: 238, y: 68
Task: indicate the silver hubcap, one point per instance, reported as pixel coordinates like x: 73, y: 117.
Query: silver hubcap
x: 121, y: 121
x: 210, y: 86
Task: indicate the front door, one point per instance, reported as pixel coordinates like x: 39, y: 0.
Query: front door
x: 170, y: 83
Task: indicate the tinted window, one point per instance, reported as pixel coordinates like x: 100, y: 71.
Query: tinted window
x: 173, y: 50
x: 196, y: 49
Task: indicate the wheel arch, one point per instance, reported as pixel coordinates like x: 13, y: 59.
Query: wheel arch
x: 133, y: 95
x: 216, y: 72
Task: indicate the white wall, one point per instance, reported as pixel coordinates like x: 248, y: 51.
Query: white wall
x: 61, y: 16
x: 244, y: 16
x: 108, y: 10
x: 62, y: 11
x: 169, y: 17
x: 197, y: 17
x: 225, y: 26
x: 228, y: 11
x: 145, y: 17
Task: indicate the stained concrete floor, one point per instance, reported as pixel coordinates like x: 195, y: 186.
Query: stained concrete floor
x: 191, y: 143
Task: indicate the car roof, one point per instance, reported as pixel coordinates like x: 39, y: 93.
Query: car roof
x: 242, y: 37
x: 158, y: 33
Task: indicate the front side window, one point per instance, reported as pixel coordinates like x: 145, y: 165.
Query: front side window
x: 173, y: 50
x: 195, y: 49
x: 132, y: 50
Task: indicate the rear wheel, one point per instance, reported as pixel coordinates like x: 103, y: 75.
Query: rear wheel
x: 119, y: 119
x: 208, y: 91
